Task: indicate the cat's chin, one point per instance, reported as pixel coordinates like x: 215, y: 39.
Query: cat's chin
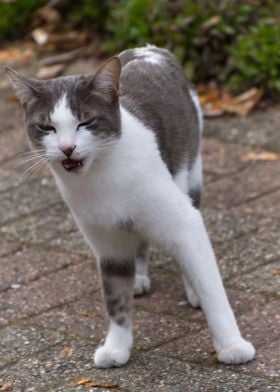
x: 73, y: 165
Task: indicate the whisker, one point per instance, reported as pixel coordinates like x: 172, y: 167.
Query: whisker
x: 27, y: 173
x: 25, y: 161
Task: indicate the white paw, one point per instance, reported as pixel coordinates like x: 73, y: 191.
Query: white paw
x: 105, y: 357
x: 192, y: 297
x: 141, y: 284
x: 239, y: 352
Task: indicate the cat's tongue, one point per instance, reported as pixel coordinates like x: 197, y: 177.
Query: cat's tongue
x: 72, y: 164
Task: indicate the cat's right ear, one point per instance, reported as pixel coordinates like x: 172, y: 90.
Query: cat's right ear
x: 24, y: 87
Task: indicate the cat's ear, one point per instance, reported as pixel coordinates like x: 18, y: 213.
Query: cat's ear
x: 106, y: 80
x: 25, y: 87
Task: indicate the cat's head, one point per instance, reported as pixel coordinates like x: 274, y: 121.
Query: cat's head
x: 72, y: 120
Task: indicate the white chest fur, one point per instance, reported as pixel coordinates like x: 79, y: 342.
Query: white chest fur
x: 114, y: 188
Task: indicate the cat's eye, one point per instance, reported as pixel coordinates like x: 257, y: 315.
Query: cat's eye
x: 46, y: 128
x: 87, y: 123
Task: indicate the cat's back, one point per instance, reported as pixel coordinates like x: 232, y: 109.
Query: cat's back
x: 153, y: 87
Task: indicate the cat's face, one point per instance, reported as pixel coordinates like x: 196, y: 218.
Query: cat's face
x: 72, y: 121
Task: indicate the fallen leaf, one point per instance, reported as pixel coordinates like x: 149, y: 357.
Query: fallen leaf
x: 66, y: 352
x: 260, y: 156
x: 98, y: 385
x: 91, y: 315
x: 216, y: 102
x: 5, y: 386
x: 82, y: 381
x: 276, y: 272
x: 88, y: 382
x: 14, y: 54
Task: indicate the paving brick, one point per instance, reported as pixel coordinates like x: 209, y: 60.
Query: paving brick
x: 50, y: 228
x: 259, y: 131
x: 17, y: 342
x: 47, y: 276
x: 27, y: 265
x: 21, y: 200
x: 221, y: 160
x: 8, y: 248
x: 260, y: 325
x: 49, y: 291
x: 263, y: 279
x: 243, y: 186
x: 50, y: 371
x: 245, y: 253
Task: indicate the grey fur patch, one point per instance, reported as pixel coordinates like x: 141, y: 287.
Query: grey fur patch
x: 142, y: 250
x: 127, y: 225
x: 117, y: 280
x: 122, y: 268
x: 195, y: 195
x: 158, y: 94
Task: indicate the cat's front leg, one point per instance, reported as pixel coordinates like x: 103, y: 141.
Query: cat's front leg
x: 117, y: 280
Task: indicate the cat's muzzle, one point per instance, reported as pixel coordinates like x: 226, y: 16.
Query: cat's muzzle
x: 72, y: 164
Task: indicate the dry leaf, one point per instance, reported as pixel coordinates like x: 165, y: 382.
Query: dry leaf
x: 82, y: 381
x: 91, y: 315
x: 98, y: 385
x: 215, y: 102
x: 276, y: 272
x: 87, y: 381
x: 14, y: 54
x: 5, y: 386
x: 66, y: 352
x: 260, y: 156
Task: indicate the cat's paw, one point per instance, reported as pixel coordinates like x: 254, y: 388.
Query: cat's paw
x: 105, y: 357
x: 192, y: 297
x: 141, y: 284
x: 239, y: 352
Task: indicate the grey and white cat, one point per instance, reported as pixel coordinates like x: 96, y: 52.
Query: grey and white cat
x: 124, y: 148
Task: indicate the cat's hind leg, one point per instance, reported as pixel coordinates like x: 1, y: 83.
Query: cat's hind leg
x: 191, y: 295
x: 191, y: 184
x: 174, y: 223
x: 195, y: 185
x: 142, y: 280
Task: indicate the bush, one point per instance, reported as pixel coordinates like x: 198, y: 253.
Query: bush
x: 233, y: 43
x: 15, y: 15
x: 255, y: 58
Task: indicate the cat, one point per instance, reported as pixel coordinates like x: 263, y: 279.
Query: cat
x: 124, y: 148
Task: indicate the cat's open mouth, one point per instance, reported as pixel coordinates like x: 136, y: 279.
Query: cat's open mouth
x: 72, y: 164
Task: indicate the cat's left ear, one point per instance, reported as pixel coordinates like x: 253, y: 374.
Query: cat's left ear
x: 106, y: 80
x: 25, y: 87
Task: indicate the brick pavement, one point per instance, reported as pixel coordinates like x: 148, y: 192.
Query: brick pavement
x: 51, y: 312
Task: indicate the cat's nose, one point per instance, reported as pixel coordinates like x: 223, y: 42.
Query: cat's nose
x: 68, y: 150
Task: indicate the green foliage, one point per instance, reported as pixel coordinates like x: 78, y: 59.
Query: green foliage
x: 236, y: 43
x: 127, y: 24
x: 85, y: 13
x: 211, y: 38
x: 255, y: 58
x: 14, y: 16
